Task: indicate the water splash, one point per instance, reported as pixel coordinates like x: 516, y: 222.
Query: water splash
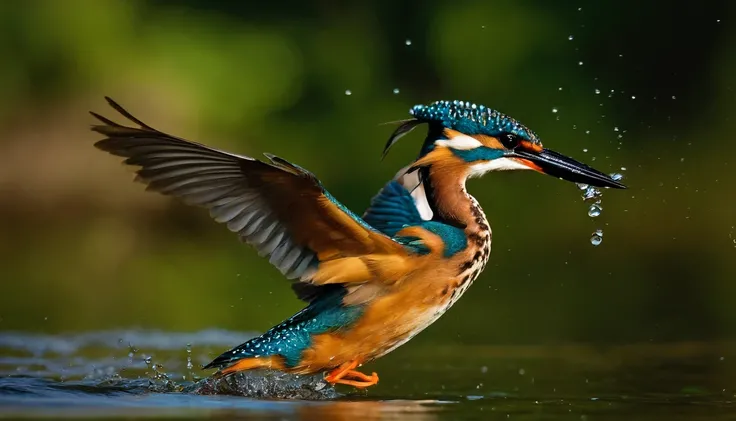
x: 595, y: 209
x: 141, y: 362
x: 266, y: 384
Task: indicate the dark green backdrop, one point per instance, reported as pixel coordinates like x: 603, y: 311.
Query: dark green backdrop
x: 645, y: 87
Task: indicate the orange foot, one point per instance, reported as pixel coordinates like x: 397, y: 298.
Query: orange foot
x: 346, y: 375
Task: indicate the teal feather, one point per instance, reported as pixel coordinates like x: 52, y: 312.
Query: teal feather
x: 392, y: 209
x: 290, y: 338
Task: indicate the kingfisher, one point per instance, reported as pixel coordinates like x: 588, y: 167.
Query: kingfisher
x: 372, y: 282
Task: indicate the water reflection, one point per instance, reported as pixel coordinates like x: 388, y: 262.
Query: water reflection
x: 386, y: 410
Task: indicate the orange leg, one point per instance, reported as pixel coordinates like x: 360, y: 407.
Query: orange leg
x: 346, y: 375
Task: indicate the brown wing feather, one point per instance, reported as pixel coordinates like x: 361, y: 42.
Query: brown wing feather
x: 278, y: 207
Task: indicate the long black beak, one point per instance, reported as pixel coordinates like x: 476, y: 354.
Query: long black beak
x: 558, y: 165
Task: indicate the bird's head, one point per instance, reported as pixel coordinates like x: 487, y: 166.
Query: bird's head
x: 473, y: 140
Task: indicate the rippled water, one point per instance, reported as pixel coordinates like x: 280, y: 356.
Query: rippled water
x: 136, y: 374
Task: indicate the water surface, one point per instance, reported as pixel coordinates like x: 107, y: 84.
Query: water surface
x: 153, y: 374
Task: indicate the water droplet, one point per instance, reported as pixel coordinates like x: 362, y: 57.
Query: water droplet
x: 560, y: 88
x: 616, y: 176
x: 597, y: 91
x: 522, y: 371
x: 484, y: 369
x: 591, y: 193
x: 633, y: 96
x: 674, y: 97
x: 482, y: 27
x: 587, y: 132
x: 623, y: 168
x: 594, y: 211
x: 582, y: 186
x: 570, y: 38
x: 597, y: 238
x: 396, y: 91
x: 585, y: 150
x: 615, y: 129
x: 580, y: 63
x: 580, y: 9
x: 348, y: 92
x: 554, y: 110
x: 407, y: 42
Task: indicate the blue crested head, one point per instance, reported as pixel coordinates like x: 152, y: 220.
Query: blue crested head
x: 471, y: 119
x: 474, y: 139
x: 464, y: 117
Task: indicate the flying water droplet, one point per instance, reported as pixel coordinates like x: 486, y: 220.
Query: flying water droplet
x: 554, y: 110
x: 190, y: 366
x: 617, y: 176
x: 594, y: 211
x: 580, y: 63
x: 585, y: 150
x: 570, y: 38
x: 407, y: 42
x: 591, y: 193
x: 597, y: 91
x: 597, y: 238
x: 348, y: 92
x: 582, y: 186
x: 396, y: 91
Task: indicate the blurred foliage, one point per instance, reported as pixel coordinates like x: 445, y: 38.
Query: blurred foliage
x: 84, y: 248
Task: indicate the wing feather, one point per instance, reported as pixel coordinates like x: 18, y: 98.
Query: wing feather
x: 277, y: 207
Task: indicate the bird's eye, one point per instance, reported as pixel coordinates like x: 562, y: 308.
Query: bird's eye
x: 510, y: 140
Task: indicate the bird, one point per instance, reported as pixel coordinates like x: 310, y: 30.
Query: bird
x: 370, y: 283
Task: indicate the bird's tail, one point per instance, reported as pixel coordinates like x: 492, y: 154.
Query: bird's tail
x: 231, y: 363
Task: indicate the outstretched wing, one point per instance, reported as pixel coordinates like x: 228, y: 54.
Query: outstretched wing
x: 278, y: 207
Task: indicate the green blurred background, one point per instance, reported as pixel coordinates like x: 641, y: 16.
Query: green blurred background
x: 82, y: 247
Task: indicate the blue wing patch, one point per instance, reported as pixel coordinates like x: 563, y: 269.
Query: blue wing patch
x: 392, y: 209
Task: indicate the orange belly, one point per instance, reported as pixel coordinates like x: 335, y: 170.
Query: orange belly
x: 387, y: 323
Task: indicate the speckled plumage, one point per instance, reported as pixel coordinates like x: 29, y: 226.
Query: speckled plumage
x: 471, y: 119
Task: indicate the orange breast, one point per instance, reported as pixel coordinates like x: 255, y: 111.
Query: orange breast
x: 404, y: 309
x: 388, y: 322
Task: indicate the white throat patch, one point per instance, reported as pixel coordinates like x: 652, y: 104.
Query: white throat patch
x: 499, y: 164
